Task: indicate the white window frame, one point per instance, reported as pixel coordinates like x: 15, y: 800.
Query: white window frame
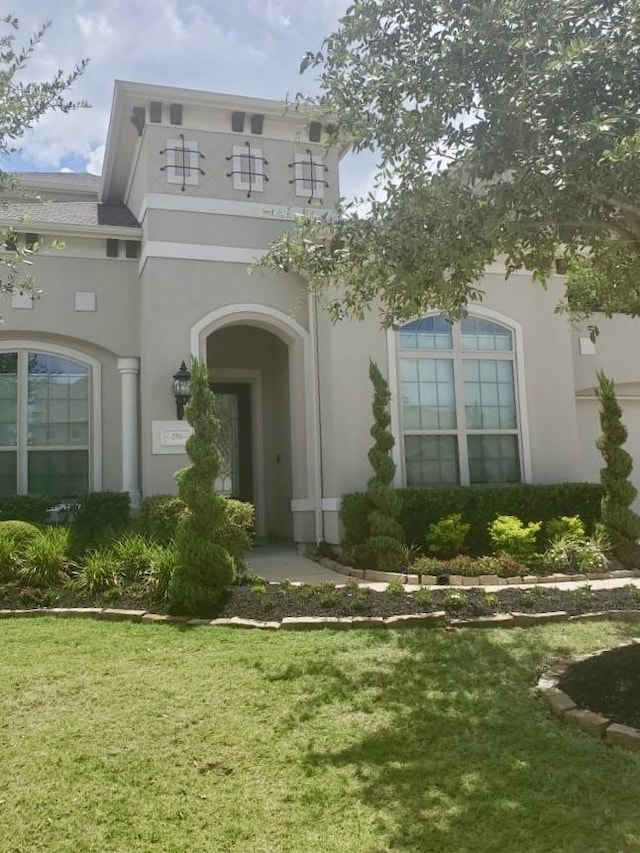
x: 239, y: 183
x: 174, y: 173
x: 516, y: 356
x: 300, y: 163
x: 23, y: 347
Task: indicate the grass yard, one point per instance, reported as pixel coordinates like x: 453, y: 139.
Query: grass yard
x: 121, y: 738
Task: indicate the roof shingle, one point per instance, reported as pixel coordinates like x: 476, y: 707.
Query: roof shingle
x: 70, y: 213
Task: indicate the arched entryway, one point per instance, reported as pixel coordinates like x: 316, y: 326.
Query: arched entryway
x: 260, y: 367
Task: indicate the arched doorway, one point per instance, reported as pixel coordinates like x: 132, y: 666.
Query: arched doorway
x: 249, y: 369
x: 269, y: 353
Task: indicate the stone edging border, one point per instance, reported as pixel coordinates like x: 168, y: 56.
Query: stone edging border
x: 435, y: 619
x: 591, y: 722
x: 461, y: 580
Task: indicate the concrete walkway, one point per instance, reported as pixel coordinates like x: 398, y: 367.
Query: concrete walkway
x: 283, y: 562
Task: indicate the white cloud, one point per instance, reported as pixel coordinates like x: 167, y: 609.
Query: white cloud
x: 94, y: 160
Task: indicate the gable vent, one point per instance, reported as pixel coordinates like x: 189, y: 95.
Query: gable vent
x: 155, y: 112
x: 257, y: 123
x: 315, y: 131
x: 175, y: 113
x: 237, y: 122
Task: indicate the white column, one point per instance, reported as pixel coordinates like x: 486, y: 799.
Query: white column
x: 129, y: 368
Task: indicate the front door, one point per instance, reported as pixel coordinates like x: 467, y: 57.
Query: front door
x: 233, y: 407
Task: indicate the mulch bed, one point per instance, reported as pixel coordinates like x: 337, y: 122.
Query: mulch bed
x: 608, y: 683
x: 274, y: 602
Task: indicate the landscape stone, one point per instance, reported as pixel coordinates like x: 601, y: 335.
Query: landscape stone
x: 558, y: 701
x: 623, y: 735
x: 368, y: 622
x: 588, y: 721
x: 524, y: 620
x: 498, y: 620
x: 117, y: 614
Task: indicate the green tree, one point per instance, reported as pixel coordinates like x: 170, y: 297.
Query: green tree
x: 621, y: 523
x: 385, y: 531
x: 22, y: 105
x: 205, y: 569
x: 504, y: 129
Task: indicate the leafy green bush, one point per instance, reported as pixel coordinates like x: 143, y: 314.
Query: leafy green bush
x: 9, y: 559
x: 577, y: 554
x: 236, y: 531
x: 566, y: 525
x: 502, y: 565
x: 447, y: 536
x: 510, y: 535
x: 33, y: 508
x: 395, y: 588
x: 46, y: 559
x: 97, y: 518
x: 423, y: 596
x: 21, y: 533
x: 478, y: 506
x: 159, y: 516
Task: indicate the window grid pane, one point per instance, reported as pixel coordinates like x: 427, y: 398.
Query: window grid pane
x: 8, y: 399
x: 428, y: 395
x: 478, y: 335
x: 58, y: 402
x: 59, y: 473
x: 431, y: 459
x: 8, y: 472
x: 489, y: 394
x: 427, y: 333
x: 493, y: 458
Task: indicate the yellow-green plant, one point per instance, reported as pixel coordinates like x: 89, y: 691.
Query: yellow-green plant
x: 509, y: 534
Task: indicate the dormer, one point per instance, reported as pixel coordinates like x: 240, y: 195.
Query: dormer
x: 201, y: 145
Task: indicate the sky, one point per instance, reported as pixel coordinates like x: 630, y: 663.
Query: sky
x: 244, y: 47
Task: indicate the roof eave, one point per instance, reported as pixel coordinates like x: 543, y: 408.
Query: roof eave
x: 59, y: 229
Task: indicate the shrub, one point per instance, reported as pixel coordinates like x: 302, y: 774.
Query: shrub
x: 621, y: 523
x: 205, y: 571
x: 385, y: 535
x: 577, y: 554
x: 236, y: 532
x: 423, y: 596
x: 46, y: 558
x: 33, y: 508
x: 447, y: 536
x: 159, y: 516
x: 454, y: 599
x: 503, y: 565
x: 9, y: 559
x: 100, y: 572
x: 395, y: 588
x: 97, y: 518
x: 135, y: 556
x: 20, y: 533
x: 566, y: 525
x: 158, y: 577
x: 509, y: 534
x: 478, y: 505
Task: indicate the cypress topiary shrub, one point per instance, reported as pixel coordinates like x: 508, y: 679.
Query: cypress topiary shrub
x: 620, y: 522
x: 385, y: 533
x: 205, y: 571
x: 478, y: 506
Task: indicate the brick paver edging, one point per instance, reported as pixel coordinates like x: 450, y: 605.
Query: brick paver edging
x: 462, y: 580
x: 435, y: 619
x: 594, y: 724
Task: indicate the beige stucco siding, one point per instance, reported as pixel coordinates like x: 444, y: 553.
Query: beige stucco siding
x: 212, y: 229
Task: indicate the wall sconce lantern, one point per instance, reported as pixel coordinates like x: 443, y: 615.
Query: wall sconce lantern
x: 181, y: 379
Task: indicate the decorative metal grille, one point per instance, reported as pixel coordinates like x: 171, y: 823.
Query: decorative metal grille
x: 182, y: 164
x: 248, y: 168
x: 309, y: 172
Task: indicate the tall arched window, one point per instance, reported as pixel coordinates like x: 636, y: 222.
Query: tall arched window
x: 45, y: 423
x: 459, y: 411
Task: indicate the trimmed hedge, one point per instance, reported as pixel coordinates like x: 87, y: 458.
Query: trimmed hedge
x: 97, y: 518
x: 478, y: 505
x: 32, y: 508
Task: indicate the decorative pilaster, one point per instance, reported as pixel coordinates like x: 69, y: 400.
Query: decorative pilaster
x: 129, y: 368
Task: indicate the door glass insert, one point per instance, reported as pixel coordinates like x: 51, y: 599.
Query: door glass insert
x: 228, y: 481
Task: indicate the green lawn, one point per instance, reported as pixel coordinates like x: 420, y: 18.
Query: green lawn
x: 119, y: 737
